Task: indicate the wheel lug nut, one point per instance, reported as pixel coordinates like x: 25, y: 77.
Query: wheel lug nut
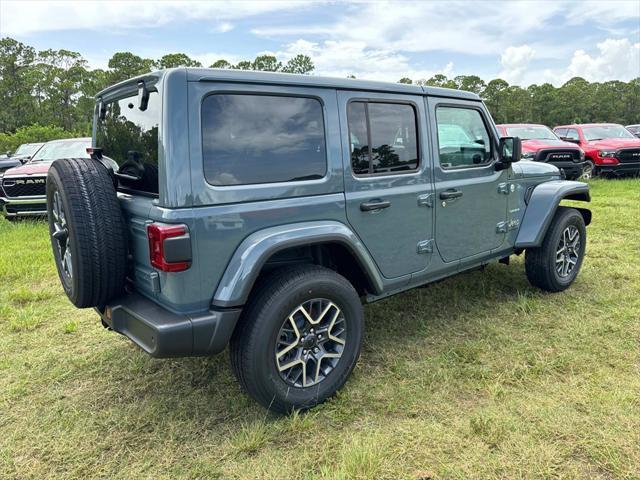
x: 316, y: 350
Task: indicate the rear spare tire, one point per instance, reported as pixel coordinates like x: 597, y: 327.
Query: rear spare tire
x: 87, y: 231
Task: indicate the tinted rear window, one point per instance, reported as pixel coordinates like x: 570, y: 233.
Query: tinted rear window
x: 383, y: 138
x: 248, y: 139
x: 129, y: 136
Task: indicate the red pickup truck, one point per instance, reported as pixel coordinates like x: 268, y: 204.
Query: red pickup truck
x: 610, y: 148
x: 540, y: 144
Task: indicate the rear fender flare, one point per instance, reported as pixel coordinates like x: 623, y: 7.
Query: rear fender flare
x: 542, y: 206
x: 250, y: 256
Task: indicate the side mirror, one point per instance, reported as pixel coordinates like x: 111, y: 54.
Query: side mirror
x: 572, y: 140
x: 510, y: 150
x: 9, y: 153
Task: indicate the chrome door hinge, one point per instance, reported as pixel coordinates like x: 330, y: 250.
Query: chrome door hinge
x: 425, y: 246
x: 425, y: 200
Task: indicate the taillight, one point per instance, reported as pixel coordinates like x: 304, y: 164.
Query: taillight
x: 169, y: 247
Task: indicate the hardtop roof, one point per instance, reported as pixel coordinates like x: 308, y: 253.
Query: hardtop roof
x: 276, y: 78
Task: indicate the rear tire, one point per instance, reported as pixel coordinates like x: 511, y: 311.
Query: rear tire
x: 555, y: 265
x: 266, y: 341
x: 87, y: 231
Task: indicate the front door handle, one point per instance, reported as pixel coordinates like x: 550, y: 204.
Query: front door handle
x: 449, y: 194
x: 376, y: 204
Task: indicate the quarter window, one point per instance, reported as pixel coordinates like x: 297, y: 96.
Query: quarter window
x: 463, y: 138
x: 572, y: 134
x: 383, y: 138
x: 249, y: 139
x: 561, y: 132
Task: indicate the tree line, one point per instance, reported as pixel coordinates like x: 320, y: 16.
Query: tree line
x: 52, y: 91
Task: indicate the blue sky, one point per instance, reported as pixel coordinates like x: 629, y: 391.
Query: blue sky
x: 522, y: 42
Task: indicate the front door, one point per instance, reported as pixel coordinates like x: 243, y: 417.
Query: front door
x: 387, y: 184
x: 471, y: 195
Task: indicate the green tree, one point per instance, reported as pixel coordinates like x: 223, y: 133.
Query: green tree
x: 405, y: 80
x: 222, y: 63
x: 301, y: 64
x: 493, y: 95
x: 266, y: 63
x: 438, y: 80
x: 470, y: 83
x: 125, y: 65
x: 173, y: 60
x: 244, y: 65
x: 60, y: 78
x: 16, y: 84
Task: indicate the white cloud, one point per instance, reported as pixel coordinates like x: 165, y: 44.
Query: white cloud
x: 224, y: 27
x: 383, y: 40
x: 515, y: 61
x: 24, y: 17
x: 341, y: 59
x: 616, y: 59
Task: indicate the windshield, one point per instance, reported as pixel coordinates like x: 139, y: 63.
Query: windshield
x: 27, y: 149
x: 537, y: 132
x: 606, y: 131
x: 129, y: 136
x: 66, y: 149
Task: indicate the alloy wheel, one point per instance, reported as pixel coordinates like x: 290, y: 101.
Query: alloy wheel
x: 310, y: 342
x: 568, y: 251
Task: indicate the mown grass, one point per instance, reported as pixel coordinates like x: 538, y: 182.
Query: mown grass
x: 478, y: 376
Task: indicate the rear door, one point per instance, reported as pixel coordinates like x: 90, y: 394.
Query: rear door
x: 387, y: 178
x: 471, y: 195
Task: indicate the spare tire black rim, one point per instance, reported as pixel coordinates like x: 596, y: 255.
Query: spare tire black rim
x: 60, y: 236
x: 310, y: 342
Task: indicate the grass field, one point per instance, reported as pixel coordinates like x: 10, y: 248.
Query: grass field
x: 478, y: 376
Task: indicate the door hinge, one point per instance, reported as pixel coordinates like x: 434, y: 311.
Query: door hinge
x: 425, y: 246
x: 425, y: 200
x: 506, y: 188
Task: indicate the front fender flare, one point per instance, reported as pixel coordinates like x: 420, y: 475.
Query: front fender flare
x: 542, y: 206
x: 250, y: 256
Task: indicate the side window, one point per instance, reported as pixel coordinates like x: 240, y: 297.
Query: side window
x: 249, y: 139
x: 561, y: 132
x: 463, y: 138
x: 572, y: 134
x: 383, y: 138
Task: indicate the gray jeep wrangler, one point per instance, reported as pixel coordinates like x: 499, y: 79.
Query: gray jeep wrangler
x: 262, y: 210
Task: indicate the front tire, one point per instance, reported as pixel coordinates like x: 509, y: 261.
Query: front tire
x: 555, y: 265
x: 588, y: 171
x: 298, y: 339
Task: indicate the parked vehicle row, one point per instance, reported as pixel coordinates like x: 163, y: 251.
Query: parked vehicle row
x: 22, y: 154
x: 580, y: 150
x: 262, y: 210
x: 23, y: 187
x: 609, y: 149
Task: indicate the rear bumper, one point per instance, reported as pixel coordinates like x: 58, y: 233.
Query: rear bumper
x: 619, y: 169
x: 572, y: 170
x: 162, y: 333
x: 24, y: 206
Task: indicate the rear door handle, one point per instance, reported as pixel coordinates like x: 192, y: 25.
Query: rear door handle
x: 376, y: 204
x: 449, y: 194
